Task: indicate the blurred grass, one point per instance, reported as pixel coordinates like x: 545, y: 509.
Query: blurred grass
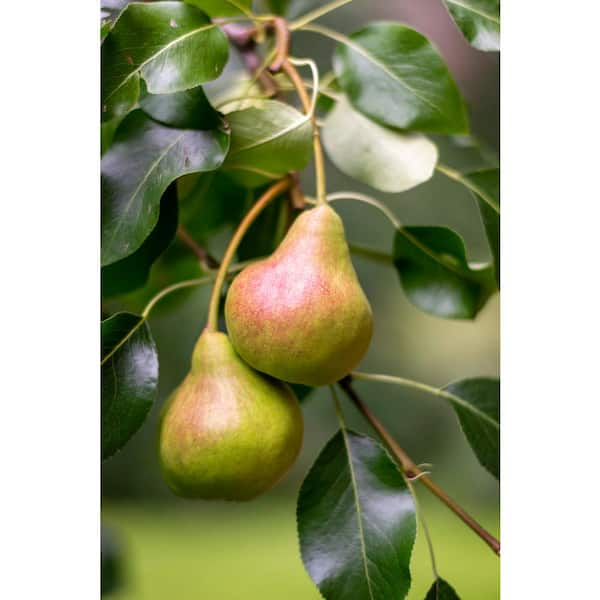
x: 234, y: 551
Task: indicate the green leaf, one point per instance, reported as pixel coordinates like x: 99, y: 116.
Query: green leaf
x: 132, y: 272
x: 189, y: 109
x: 479, y: 21
x: 129, y: 378
x: 488, y: 181
x: 477, y: 405
x: 356, y: 521
x: 394, y: 75
x: 267, y: 140
x: 111, y: 562
x: 435, y: 274
x: 171, y: 45
x: 441, y: 590
x: 109, y: 13
x: 222, y: 8
x: 107, y: 134
x: 144, y: 159
x: 386, y: 159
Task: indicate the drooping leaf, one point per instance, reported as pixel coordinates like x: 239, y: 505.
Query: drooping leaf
x: 189, y: 109
x: 172, y: 45
x: 132, y: 272
x: 488, y: 181
x: 267, y: 140
x: 441, y: 590
x: 435, y: 274
x: 477, y: 405
x: 144, y: 159
x: 356, y: 521
x: 386, y: 159
x: 129, y: 365
x: 396, y: 77
x: 479, y: 21
x: 222, y: 8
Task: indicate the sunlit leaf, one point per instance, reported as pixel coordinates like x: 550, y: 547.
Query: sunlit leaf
x: 479, y: 21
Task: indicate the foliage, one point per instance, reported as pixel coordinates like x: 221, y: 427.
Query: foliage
x: 190, y: 141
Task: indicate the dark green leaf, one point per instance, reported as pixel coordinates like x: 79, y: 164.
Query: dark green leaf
x: 109, y: 13
x: 267, y: 140
x: 144, y: 158
x: 302, y: 391
x: 441, y: 590
x: 477, y: 405
x: 222, y: 8
x: 171, y: 45
x: 488, y: 181
x: 356, y: 521
x: 394, y: 75
x: 132, y: 272
x: 107, y: 133
x: 129, y: 378
x: 189, y: 109
x: 386, y: 159
x: 435, y: 274
x: 111, y: 562
x: 479, y: 21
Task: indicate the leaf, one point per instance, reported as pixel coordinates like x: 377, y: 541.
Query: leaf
x: 394, y: 75
x: 144, y: 159
x: 222, y: 8
x: 109, y: 13
x: 111, y: 562
x: 132, y: 272
x: 356, y: 521
x: 435, y: 274
x: 386, y: 159
x: 171, y: 45
x: 488, y: 182
x: 189, y: 109
x: 479, y: 21
x: 267, y: 141
x: 129, y: 378
x: 441, y: 590
x: 477, y: 405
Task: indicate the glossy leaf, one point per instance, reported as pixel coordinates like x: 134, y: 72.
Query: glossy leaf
x: 386, y: 159
x: 488, y: 182
x: 129, y: 378
x: 441, y: 590
x: 435, y: 274
x: 394, y: 75
x: 267, y: 140
x: 222, y: 8
x: 477, y: 405
x: 189, y: 109
x: 479, y: 21
x: 356, y: 521
x: 172, y: 45
x: 144, y: 158
x: 109, y: 13
x: 132, y: 272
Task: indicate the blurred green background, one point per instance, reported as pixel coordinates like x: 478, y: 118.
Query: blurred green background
x: 192, y: 550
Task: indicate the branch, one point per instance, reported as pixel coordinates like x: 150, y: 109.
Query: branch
x: 207, y: 262
x: 412, y: 471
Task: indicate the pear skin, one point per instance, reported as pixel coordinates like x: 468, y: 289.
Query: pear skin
x: 300, y: 315
x: 227, y: 432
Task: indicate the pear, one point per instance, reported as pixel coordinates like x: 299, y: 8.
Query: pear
x: 300, y: 315
x: 227, y: 432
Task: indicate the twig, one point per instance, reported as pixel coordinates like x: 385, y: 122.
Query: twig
x: 207, y: 262
x: 282, y: 43
x: 412, y: 470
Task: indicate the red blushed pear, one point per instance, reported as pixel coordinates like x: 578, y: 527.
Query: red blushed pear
x: 228, y: 432
x: 301, y: 315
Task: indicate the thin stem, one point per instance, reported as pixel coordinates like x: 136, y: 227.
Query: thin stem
x: 460, y: 178
x: 371, y: 253
x: 282, y: 43
x: 317, y: 13
x: 367, y: 200
x: 308, y: 106
x: 207, y: 262
x: 412, y: 470
x: 421, y: 517
x: 270, y: 194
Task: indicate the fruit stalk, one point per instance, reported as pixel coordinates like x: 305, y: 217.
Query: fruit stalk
x: 213, y: 308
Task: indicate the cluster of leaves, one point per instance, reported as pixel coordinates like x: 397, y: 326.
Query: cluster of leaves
x: 189, y: 139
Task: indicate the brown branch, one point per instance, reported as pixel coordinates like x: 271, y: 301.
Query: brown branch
x: 207, y: 262
x: 282, y: 44
x: 411, y: 470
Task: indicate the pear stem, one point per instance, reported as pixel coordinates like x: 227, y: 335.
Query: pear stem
x: 213, y: 308
x: 293, y: 75
x: 412, y: 470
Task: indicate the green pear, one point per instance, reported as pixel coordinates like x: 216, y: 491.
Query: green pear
x: 300, y: 315
x: 228, y: 432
